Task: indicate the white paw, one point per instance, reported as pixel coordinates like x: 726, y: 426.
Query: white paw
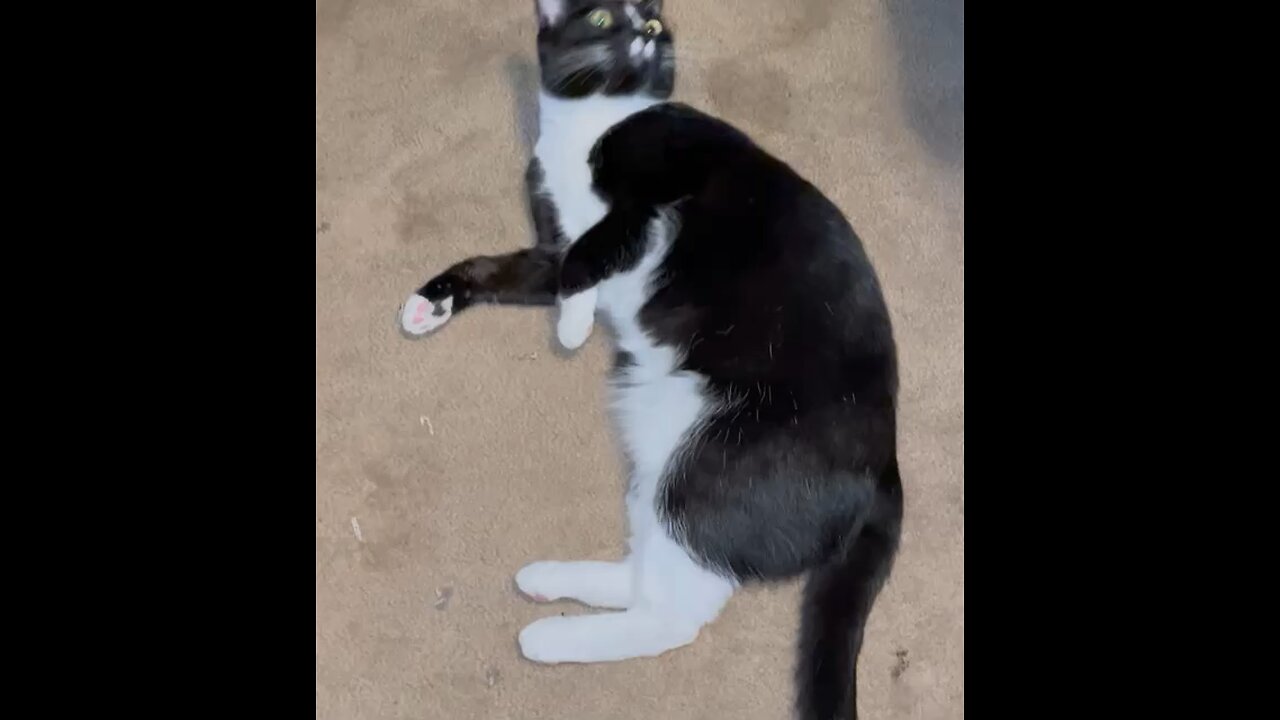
x: 420, y: 315
x: 593, y: 582
x: 540, y: 581
x: 606, y: 637
x: 577, y: 315
x: 550, y: 640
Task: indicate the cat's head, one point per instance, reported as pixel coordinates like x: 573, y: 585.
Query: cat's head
x: 607, y: 47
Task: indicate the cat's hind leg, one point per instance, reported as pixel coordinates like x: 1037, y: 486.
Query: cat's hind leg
x: 674, y: 598
x: 598, y: 584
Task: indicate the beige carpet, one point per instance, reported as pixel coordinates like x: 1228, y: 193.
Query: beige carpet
x: 444, y: 465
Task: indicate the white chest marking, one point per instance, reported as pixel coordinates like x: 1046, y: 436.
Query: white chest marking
x: 567, y: 131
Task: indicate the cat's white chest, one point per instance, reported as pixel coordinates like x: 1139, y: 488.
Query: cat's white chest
x: 653, y: 402
x: 568, y: 129
x: 567, y: 180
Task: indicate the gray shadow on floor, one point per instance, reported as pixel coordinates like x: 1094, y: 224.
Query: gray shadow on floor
x: 930, y: 39
x: 522, y: 73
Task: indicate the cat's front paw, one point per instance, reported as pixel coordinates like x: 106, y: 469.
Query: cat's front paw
x: 430, y: 307
x: 577, y: 316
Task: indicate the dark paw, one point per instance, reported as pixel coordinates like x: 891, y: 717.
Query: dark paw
x: 441, y: 287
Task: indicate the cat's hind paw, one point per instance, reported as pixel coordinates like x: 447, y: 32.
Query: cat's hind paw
x: 606, y: 637
x: 598, y: 584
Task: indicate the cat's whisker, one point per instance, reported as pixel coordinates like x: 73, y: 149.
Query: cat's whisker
x: 682, y: 50
x: 684, y: 59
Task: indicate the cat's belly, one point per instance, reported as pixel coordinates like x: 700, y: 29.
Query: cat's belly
x: 655, y: 403
x: 654, y: 417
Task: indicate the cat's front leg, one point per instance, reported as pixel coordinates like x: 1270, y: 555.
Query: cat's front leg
x: 613, y: 245
x: 577, y: 318
x: 654, y: 157
x: 432, y: 305
x: 525, y: 277
x: 585, y: 266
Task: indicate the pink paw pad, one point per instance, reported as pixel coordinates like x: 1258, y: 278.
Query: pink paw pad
x: 421, y: 315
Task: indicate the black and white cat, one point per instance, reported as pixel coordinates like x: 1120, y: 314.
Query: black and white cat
x: 756, y: 376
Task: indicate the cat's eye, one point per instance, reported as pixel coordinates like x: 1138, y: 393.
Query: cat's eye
x: 600, y: 18
x: 653, y: 28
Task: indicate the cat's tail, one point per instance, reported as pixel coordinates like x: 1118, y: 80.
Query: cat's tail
x: 837, y: 600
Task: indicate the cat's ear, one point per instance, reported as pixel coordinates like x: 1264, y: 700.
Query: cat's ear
x: 549, y: 11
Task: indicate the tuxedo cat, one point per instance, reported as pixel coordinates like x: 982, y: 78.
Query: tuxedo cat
x: 756, y: 375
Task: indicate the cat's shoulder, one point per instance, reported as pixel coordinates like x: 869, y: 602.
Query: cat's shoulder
x: 675, y: 111
x: 685, y: 123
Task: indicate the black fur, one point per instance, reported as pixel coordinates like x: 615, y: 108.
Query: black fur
x: 767, y: 292
x: 614, y: 244
x: 525, y: 277
x: 546, y: 221
x: 577, y: 59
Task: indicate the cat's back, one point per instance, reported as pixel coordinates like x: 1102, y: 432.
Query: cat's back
x: 741, y: 207
x: 766, y: 279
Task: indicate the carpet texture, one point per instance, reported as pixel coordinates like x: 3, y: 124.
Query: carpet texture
x: 444, y: 465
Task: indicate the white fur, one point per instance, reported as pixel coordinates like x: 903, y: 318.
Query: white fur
x: 551, y: 10
x: 598, y: 584
x: 668, y: 597
x: 567, y: 131
x: 418, y: 318
x: 577, y: 316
